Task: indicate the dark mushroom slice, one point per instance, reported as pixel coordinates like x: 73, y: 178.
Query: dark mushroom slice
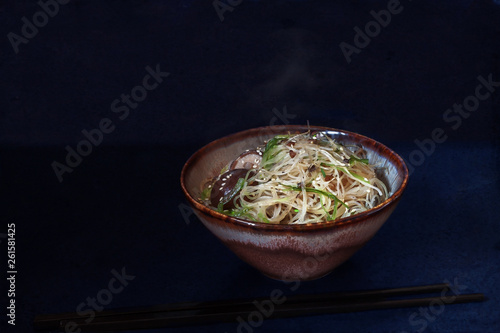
x: 224, y: 189
x: 248, y: 160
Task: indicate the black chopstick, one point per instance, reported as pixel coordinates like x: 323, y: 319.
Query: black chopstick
x: 199, y: 313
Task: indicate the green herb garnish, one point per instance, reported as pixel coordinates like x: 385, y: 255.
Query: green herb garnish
x: 360, y: 178
x: 224, y: 169
x: 353, y: 159
x: 313, y: 190
x: 347, y: 171
x: 328, y: 216
x: 270, y: 150
x: 205, y: 194
x: 263, y: 218
x: 240, y: 212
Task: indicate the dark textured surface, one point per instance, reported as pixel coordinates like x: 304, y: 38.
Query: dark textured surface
x: 120, y: 206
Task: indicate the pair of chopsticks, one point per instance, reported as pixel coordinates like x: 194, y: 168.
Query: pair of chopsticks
x: 200, y: 313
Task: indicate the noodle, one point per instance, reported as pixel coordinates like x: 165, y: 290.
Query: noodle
x: 300, y: 179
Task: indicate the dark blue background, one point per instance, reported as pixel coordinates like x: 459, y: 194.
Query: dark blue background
x: 120, y: 206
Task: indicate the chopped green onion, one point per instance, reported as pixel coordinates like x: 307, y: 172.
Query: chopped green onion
x: 345, y: 170
x: 323, y: 173
x: 335, y: 211
x: 224, y: 169
x: 205, y: 194
x: 360, y: 178
x: 240, y: 212
x: 353, y: 159
x: 328, y: 216
x: 267, y: 156
x: 263, y: 218
x: 313, y: 190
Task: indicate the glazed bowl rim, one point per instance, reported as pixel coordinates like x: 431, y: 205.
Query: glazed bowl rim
x: 342, y: 222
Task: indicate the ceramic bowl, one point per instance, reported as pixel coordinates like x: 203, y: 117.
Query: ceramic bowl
x: 292, y: 252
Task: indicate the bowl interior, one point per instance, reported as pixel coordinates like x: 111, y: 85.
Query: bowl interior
x: 209, y: 160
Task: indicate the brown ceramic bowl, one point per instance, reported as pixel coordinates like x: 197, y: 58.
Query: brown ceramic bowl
x: 292, y: 252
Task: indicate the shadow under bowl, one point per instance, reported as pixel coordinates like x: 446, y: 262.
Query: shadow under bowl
x: 292, y: 252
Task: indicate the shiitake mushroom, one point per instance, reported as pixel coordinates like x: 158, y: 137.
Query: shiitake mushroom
x: 248, y: 160
x: 223, y: 189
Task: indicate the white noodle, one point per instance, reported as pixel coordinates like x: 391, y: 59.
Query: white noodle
x: 284, y: 192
